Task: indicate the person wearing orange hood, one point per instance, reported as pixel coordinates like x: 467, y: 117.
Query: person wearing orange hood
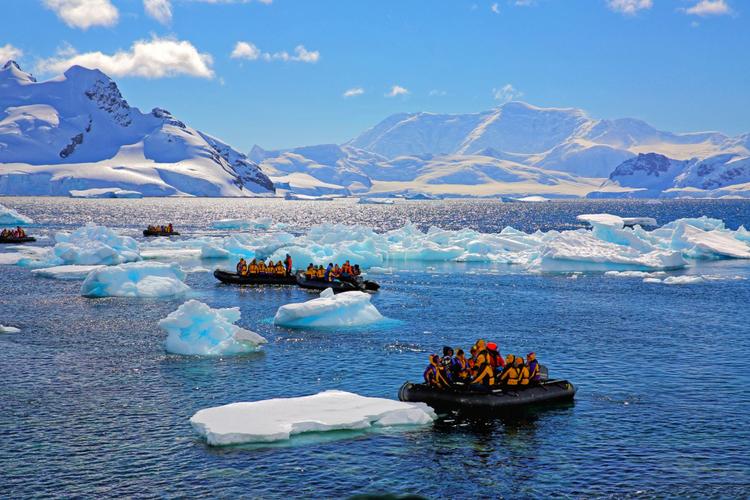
x: 484, y: 373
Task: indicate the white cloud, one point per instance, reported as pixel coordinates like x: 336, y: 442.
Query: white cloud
x: 161, y: 10
x: 84, y: 13
x: 397, y: 90
x: 245, y: 50
x: 8, y: 52
x: 249, y: 51
x: 155, y: 58
x: 495, y: 8
x: 629, y: 7
x: 506, y: 93
x: 709, y: 8
x: 437, y: 93
x: 353, y: 92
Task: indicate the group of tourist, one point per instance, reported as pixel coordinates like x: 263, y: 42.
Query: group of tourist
x: 333, y: 272
x: 259, y: 267
x: 12, y: 234
x: 168, y: 229
x: 485, y: 367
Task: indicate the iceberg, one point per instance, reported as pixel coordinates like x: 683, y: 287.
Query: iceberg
x: 278, y: 419
x: 9, y: 217
x: 135, y: 279
x: 9, y: 329
x: 616, y: 221
x: 376, y: 201
x: 329, y: 310
x: 68, y: 272
x: 195, y: 329
x: 260, y: 223
x: 104, y: 193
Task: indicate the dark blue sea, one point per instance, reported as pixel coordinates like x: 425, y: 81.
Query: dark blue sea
x: 92, y: 406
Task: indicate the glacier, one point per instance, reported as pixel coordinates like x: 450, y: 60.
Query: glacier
x: 279, y: 419
x: 329, y: 310
x: 135, y: 279
x: 76, y: 133
x: 196, y: 329
x: 9, y: 217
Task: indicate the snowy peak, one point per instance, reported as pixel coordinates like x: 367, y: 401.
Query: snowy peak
x: 11, y: 71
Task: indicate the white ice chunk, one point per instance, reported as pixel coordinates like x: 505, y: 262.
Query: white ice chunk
x: 278, y: 419
x: 329, y: 310
x: 9, y: 329
x: 9, y: 217
x: 260, y: 223
x: 683, y: 280
x: 136, y: 279
x: 197, y: 329
x: 69, y: 272
x: 92, y: 245
x: 616, y: 221
x: 376, y: 201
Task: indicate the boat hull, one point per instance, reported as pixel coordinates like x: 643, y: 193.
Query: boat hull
x: 10, y: 241
x: 146, y: 232
x: 256, y: 280
x: 497, y: 401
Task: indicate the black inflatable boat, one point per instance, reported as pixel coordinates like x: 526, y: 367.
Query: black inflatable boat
x: 25, y: 239
x: 495, y: 401
x: 257, y: 279
x: 146, y: 232
x: 337, y: 286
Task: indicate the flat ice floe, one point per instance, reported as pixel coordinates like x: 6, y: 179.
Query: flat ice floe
x: 67, y: 272
x: 260, y: 223
x: 9, y: 217
x: 329, y: 311
x: 279, y: 419
x: 135, y: 279
x: 9, y: 329
x: 104, y: 193
x: 196, y: 329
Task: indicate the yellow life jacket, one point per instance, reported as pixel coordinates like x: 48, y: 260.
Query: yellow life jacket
x: 524, y: 375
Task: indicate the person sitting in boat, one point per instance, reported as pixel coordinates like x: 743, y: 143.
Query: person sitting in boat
x: 310, y: 271
x: 320, y: 273
x: 495, y: 358
x: 262, y: 267
x: 433, y: 373
x: 242, y: 267
x: 346, y: 270
x: 20, y: 233
x: 288, y: 264
x: 328, y: 276
x: 4, y: 233
x: 252, y: 268
x: 509, y: 375
x: 460, y: 367
x: 170, y: 229
x: 533, y: 367
x: 356, y: 271
x: 523, y: 372
x: 446, y: 362
x: 484, y: 374
x: 279, y: 269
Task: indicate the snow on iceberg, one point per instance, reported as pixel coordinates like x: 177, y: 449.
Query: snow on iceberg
x: 69, y: 272
x: 279, y: 419
x: 9, y: 329
x: 92, y: 245
x: 197, y: 329
x: 9, y: 217
x: 329, y: 310
x: 135, y: 279
x: 104, y: 193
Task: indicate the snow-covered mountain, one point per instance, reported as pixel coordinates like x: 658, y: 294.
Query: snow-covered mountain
x: 653, y: 175
x: 77, y: 132
x: 516, y: 148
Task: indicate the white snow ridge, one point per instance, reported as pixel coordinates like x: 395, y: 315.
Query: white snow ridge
x: 279, y: 419
x: 76, y: 135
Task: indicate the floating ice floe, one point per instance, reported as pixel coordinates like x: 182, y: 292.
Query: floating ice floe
x: 279, y: 419
x: 195, y: 329
x: 9, y: 329
x: 260, y: 223
x: 104, y: 193
x: 9, y: 217
x: 616, y: 221
x: 635, y: 274
x: 135, y: 279
x: 376, y: 201
x: 329, y: 310
x: 67, y: 272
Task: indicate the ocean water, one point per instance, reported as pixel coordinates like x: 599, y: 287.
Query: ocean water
x: 91, y: 405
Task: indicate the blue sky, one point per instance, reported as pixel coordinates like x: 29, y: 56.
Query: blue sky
x: 681, y: 65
